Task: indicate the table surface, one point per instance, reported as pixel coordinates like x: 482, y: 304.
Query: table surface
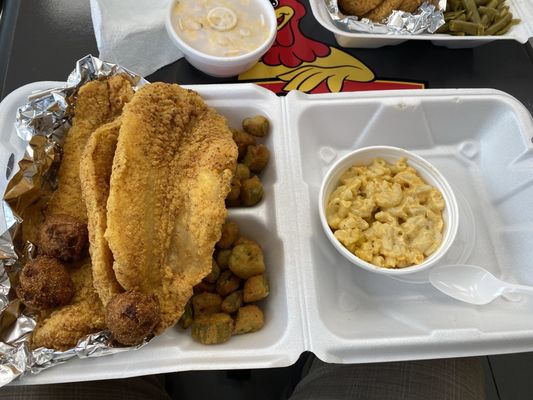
x: 41, y: 40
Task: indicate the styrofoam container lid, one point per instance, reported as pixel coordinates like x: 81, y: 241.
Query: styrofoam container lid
x: 365, y: 156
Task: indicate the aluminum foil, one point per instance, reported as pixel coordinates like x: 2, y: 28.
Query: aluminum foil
x: 43, y: 122
x: 427, y: 19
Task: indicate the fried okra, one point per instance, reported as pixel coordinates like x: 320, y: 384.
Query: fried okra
x: 131, y: 316
x: 242, y: 171
x: 212, y: 329
x: 44, y: 283
x: 214, y: 274
x: 249, y: 319
x: 232, y: 302
x: 256, y: 126
x: 255, y: 288
x: 204, y: 287
x: 64, y: 237
x: 223, y: 258
x: 206, y: 303
x: 243, y: 140
x: 256, y: 157
x: 247, y: 260
x: 227, y: 283
x: 230, y: 233
x: 233, y: 197
x: 251, y: 191
x: 187, y: 317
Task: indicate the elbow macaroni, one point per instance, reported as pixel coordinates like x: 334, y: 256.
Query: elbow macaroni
x: 386, y: 214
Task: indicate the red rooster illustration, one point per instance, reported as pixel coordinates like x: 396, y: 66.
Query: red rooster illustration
x: 296, y: 62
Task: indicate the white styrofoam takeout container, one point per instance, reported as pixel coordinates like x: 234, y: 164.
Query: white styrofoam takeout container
x: 428, y: 172
x: 522, y: 9
x: 481, y: 142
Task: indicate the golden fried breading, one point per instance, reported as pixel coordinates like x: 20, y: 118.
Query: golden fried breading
x: 171, y: 173
x: 382, y: 11
x: 62, y: 328
x: 98, y: 102
x: 95, y: 172
x: 410, y: 5
x: 358, y: 7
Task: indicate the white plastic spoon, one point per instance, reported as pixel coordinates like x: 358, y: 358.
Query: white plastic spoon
x: 472, y: 284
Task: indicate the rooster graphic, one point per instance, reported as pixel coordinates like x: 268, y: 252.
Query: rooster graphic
x: 296, y: 62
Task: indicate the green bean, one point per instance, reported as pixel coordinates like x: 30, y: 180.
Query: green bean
x: 470, y: 6
x: 499, y: 24
x: 458, y: 34
x: 491, y: 12
x: 454, y: 4
x: 482, y: 2
x: 444, y: 28
x: 492, y: 4
x: 467, y: 27
x: 507, y: 27
x: 453, y: 15
x: 486, y: 21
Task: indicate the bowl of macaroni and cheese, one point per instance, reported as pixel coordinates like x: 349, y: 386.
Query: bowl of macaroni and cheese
x: 388, y: 210
x: 222, y: 37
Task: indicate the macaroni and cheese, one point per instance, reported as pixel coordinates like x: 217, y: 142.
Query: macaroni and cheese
x: 386, y: 214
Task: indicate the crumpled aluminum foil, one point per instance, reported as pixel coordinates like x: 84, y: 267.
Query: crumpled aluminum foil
x: 43, y: 122
x: 427, y: 19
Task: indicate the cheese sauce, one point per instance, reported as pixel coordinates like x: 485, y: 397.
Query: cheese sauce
x: 223, y: 28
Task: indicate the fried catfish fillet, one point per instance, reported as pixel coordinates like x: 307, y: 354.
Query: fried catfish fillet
x: 95, y: 173
x: 171, y: 173
x: 97, y: 103
x: 62, y: 328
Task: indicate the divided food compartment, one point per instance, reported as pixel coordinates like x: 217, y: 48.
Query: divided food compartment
x: 478, y: 139
x: 522, y: 9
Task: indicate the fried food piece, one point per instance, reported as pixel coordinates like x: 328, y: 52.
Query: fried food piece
x: 186, y: 319
x: 251, y: 191
x: 230, y: 233
x: 204, y: 287
x: 233, y: 197
x: 212, y: 329
x: 256, y: 157
x: 243, y: 140
x: 206, y: 303
x: 95, y: 173
x: 255, y: 288
x: 245, y: 240
x: 172, y: 170
x: 227, y: 283
x: 242, y: 172
x: 358, y: 7
x: 410, y: 5
x: 232, y: 302
x: 215, y: 273
x: 132, y: 316
x: 256, y: 126
x: 62, y: 328
x: 247, y: 260
x: 45, y: 283
x: 249, y: 319
x: 382, y: 11
x: 223, y: 258
x: 98, y: 102
x: 63, y: 237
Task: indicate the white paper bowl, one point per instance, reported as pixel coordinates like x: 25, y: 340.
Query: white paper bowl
x: 428, y: 172
x: 224, y: 66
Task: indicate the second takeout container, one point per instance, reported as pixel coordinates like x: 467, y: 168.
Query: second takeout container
x: 522, y: 9
x: 480, y: 140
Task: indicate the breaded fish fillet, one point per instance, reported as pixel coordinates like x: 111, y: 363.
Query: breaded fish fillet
x: 98, y: 102
x: 358, y: 7
x: 95, y: 172
x: 62, y: 328
x: 171, y: 173
x: 382, y: 11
